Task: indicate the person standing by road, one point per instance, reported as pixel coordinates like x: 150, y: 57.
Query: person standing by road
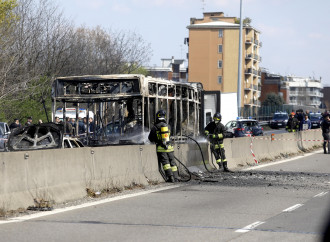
x: 57, y: 120
x: 15, y: 124
x: 325, y: 132
x: 67, y: 127
x: 29, y: 121
x: 293, y: 123
x: 214, y: 132
x: 306, y: 123
x: 160, y: 134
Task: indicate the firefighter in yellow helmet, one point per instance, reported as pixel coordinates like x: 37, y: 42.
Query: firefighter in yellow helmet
x: 160, y: 134
x: 215, y: 133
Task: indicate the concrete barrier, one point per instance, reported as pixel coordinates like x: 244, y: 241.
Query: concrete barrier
x: 64, y: 174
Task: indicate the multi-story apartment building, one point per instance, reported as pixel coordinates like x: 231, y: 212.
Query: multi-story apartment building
x: 170, y: 69
x: 213, y: 56
x: 305, y: 91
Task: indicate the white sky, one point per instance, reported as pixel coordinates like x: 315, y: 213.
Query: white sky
x: 294, y: 33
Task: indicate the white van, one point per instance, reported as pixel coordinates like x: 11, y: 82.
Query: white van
x: 71, y: 113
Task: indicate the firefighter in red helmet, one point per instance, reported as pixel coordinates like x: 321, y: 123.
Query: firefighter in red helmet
x: 160, y: 134
x: 215, y: 133
x: 293, y: 123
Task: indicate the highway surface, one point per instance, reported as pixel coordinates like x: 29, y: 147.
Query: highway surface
x: 287, y: 200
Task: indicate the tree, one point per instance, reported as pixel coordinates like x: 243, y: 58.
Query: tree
x: 96, y: 51
x: 246, y: 21
x: 7, y: 15
x: 273, y: 99
x: 39, y: 43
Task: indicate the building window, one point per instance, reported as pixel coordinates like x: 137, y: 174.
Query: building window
x: 220, y: 33
x: 219, y: 79
x: 219, y: 64
x: 219, y: 48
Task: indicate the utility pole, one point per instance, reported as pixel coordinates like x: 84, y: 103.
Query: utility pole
x: 239, y: 80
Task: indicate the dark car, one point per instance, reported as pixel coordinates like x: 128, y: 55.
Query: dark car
x: 244, y: 127
x: 279, y: 120
x: 315, y: 119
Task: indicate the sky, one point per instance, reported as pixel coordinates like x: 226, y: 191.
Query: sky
x: 295, y: 34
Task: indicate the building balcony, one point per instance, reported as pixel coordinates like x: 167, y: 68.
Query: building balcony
x: 305, y: 103
x: 249, y: 56
x: 313, y: 103
x: 249, y: 40
x: 252, y: 103
x: 248, y: 87
x: 306, y: 93
x: 248, y: 71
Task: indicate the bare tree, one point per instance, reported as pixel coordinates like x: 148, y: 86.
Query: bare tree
x: 41, y: 43
x: 97, y: 51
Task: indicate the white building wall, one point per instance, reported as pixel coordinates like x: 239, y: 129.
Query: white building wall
x: 304, y: 91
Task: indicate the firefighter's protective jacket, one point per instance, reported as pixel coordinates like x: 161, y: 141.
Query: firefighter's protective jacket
x: 215, y: 132
x: 292, y: 124
x: 160, y: 134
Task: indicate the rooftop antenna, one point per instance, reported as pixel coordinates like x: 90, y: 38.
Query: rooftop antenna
x: 203, y: 5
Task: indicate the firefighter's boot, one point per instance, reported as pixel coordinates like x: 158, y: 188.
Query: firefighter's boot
x: 324, y: 147
x: 225, y: 167
x: 219, y: 164
x: 169, y: 174
x: 176, y: 176
x: 171, y: 179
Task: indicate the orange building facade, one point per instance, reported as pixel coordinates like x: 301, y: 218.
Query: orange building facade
x: 213, y: 57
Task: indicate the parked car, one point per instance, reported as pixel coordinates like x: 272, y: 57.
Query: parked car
x: 244, y: 127
x: 4, y: 134
x: 316, y: 119
x: 279, y: 120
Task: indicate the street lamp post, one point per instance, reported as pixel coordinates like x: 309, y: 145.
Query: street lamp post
x: 239, y: 80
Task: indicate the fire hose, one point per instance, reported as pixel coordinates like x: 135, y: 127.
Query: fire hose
x: 161, y: 171
x: 201, y: 153
x: 204, y: 163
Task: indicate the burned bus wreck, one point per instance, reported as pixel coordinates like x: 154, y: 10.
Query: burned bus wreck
x: 124, y: 106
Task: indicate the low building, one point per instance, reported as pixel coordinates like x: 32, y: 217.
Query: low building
x: 273, y: 83
x: 170, y: 69
x: 305, y: 91
x: 296, y: 91
x: 326, y: 98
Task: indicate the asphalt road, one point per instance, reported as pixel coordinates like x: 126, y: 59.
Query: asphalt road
x: 281, y: 201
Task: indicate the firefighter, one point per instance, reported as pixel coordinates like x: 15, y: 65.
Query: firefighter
x: 214, y: 132
x: 293, y: 123
x: 160, y: 134
x: 325, y: 132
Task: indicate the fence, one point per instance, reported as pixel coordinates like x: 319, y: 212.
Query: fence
x: 266, y: 113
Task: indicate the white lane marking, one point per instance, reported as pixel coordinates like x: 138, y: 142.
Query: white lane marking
x: 249, y: 227
x: 279, y: 162
x: 85, y: 205
x: 292, y: 208
x: 320, y: 194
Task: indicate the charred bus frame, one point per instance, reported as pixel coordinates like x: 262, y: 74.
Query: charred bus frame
x: 130, y: 103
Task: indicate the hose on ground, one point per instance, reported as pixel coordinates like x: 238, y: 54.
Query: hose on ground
x: 200, y: 151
